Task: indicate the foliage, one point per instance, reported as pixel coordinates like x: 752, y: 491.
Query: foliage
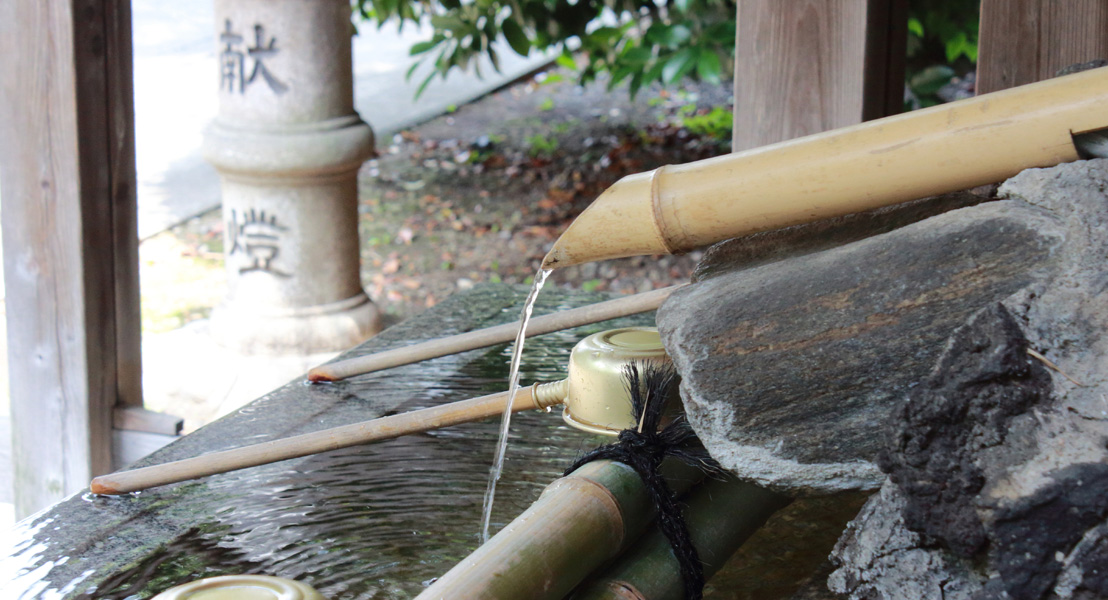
x: 715, y: 123
x: 641, y: 42
x: 541, y: 145
x: 634, y: 41
x: 942, y: 45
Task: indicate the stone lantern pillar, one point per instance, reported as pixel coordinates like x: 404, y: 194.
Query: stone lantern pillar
x: 288, y: 144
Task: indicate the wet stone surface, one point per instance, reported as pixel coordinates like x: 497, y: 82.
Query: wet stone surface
x: 791, y: 369
x: 365, y: 522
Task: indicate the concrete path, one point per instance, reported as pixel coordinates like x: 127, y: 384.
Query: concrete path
x: 176, y: 87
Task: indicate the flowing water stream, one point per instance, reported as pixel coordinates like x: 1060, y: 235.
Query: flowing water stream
x: 513, y: 389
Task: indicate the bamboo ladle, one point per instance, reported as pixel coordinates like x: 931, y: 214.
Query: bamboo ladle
x: 591, y: 394
x: 481, y: 338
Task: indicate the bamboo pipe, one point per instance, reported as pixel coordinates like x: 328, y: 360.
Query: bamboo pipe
x: 578, y: 522
x: 878, y: 163
x: 539, y: 395
x: 720, y: 514
x: 594, y: 313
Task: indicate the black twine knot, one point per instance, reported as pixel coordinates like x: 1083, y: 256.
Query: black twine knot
x: 644, y: 447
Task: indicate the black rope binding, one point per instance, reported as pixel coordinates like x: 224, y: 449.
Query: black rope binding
x: 643, y: 448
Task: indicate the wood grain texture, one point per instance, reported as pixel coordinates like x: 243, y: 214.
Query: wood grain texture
x: 61, y: 242
x: 133, y: 418
x: 124, y: 201
x: 1023, y: 41
x: 811, y: 65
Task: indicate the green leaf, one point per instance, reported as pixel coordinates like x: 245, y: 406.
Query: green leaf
x: 605, y: 35
x: 449, y: 22
x: 915, y: 27
x: 955, y: 46
x: 517, y: 39
x: 636, y: 84
x: 682, y: 5
x: 494, y: 58
x: 565, y: 60
x: 655, y: 73
x: 423, y: 86
x: 636, y: 56
x: 708, y: 68
x: 670, y: 36
x: 721, y: 33
x: 411, y: 70
x: 679, y: 64
x: 422, y: 47
x: 618, y: 75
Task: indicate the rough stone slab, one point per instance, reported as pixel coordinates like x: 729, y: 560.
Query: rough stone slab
x: 790, y: 369
x: 766, y: 247
x: 883, y: 554
x: 1008, y: 500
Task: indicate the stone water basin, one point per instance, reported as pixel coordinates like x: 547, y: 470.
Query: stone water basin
x: 373, y: 522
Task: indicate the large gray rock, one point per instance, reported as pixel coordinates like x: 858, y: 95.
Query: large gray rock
x: 998, y: 463
x: 790, y: 368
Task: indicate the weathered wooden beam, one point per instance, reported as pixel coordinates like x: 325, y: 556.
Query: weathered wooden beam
x: 808, y: 66
x: 70, y: 247
x: 1023, y: 41
x: 119, y: 65
x: 131, y: 418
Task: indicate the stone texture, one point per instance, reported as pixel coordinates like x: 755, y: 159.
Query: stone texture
x: 771, y: 246
x: 288, y: 144
x: 883, y: 554
x: 790, y: 368
x: 983, y: 381
x: 1010, y: 498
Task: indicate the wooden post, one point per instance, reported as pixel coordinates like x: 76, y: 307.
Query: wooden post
x: 806, y: 66
x: 70, y: 241
x: 1023, y: 41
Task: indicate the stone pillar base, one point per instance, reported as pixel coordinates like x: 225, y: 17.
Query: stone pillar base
x: 320, y: 328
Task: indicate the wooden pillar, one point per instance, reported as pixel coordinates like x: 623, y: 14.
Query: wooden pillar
x: 70, y: 240
x: 806, y: 66
x: 1023, y: 41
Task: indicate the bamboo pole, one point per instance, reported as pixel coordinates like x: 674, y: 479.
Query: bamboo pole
x: 882, y: 162
x: 465, y: 411
x: 578, y: 522
x: 594, y: 313
x: 721, y: 516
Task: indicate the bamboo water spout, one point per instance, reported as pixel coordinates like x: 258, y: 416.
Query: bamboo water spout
x: 936, y: 150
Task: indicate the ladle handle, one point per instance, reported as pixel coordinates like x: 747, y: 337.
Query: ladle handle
x: 539, y: 395
x: 593, y: 313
